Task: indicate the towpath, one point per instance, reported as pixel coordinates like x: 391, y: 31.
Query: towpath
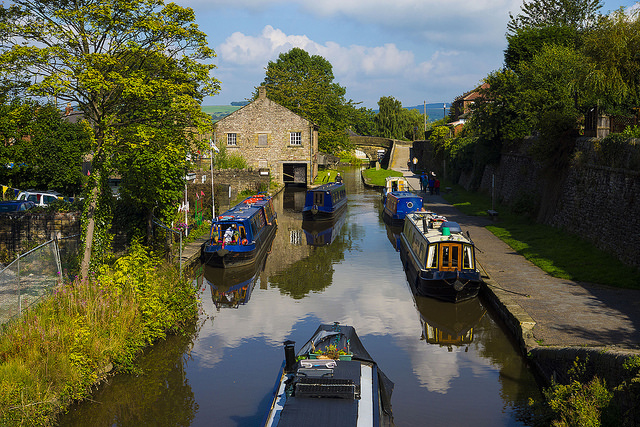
x: 551, y: 311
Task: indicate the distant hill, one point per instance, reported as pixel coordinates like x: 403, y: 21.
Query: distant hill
x: 219, y: 111
x: 435, y: 111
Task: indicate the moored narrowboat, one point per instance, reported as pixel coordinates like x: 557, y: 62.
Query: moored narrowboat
x: 394, y: 183
x: 241, y: 234
x: 439, y: 261
x: 331, y: 381
x: 325, y: 202
x: 399, y: 204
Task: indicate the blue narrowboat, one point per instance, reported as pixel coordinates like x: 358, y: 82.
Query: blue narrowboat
x: 439, y: 261
x: 241, y: 234
x: 325, y: 202
x: 399, y: 204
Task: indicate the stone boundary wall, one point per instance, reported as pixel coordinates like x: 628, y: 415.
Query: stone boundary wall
x: 237, y: 179
x: 20, y: 231
x: 598, y: 203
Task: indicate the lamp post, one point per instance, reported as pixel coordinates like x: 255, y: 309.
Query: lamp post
x: 212, y: 148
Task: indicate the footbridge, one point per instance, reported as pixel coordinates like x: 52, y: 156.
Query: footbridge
x: 378, y: 148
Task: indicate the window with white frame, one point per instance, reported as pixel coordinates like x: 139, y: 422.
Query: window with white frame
x: 295, y: 138
x: 231, y: 139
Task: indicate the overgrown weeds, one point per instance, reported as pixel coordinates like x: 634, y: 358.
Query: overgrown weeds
x: 56, y: 352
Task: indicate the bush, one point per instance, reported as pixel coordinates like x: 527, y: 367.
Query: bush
x: 54, y: 353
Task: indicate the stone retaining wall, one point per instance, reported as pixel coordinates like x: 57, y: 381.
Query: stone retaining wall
x: 600, y: 204
x: 20, y: 231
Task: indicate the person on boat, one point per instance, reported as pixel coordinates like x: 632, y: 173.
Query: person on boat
x: 231, y: 234
x: 338, y: 178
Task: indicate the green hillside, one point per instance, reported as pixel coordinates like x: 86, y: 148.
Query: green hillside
x: 219, y: 111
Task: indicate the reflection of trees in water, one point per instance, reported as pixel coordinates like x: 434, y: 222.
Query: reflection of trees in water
x: 160, y: 396
x: 315, y: 272
x: 517, y: 383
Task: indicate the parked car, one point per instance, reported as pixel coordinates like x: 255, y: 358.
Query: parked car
x: 16, y: 205
x: 40, y: 198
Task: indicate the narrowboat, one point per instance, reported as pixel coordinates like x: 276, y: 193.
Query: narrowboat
x: 320, y: 233
x: 439, y: 261
x: 241, y: 234
x: 324, y: 202
x: 331, y: 381
x: 394, y: 183
x: 398, y: 204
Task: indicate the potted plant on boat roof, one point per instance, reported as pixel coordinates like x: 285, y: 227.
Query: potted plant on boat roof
x: 331, y: 352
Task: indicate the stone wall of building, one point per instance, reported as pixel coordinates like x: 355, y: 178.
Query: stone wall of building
x: 262, y: 136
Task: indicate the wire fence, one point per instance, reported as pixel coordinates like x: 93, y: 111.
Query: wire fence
x: 33, y: 275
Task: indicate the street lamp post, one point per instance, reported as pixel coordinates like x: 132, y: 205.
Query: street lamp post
x: 212, y: 148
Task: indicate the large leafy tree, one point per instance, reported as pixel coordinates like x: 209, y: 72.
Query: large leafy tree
x: 45, y: 150
x: 613, y: 47
x: 394, y: 121
x: 304, y: 84
x: 578, y: 14
x: 526, y: 42
x: 118, y: 61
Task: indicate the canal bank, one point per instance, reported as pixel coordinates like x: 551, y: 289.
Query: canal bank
x: 555, y: 321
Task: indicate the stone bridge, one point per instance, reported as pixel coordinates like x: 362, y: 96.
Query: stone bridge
x: 371, y: 144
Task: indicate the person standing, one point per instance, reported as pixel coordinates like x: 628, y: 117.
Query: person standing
x: 338, y: 178
x: 431, y: 184
x: 436, y: 186
x: 423, y: 181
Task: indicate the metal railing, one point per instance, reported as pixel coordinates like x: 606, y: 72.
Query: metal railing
x: 33, y: 275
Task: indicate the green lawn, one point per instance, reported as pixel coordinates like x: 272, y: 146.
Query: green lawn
x: 378, y: 176
x: 555, y: 251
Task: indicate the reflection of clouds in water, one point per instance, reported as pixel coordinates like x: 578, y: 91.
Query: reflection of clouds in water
x: 368, y: 304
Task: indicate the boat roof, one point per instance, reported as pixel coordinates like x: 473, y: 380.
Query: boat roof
x: 437, y: 234
x: 404, y: 194
x: 244, y: 210
x: 395, y: 178
x: 327, y: 187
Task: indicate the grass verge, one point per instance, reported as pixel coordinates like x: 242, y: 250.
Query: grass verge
x: 56, y: 352
x: 559, y: 253
x: 378, y: 176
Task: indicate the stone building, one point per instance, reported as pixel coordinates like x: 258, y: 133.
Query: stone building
x: 271, y: 138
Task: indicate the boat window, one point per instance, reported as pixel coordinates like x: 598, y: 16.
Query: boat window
x: 421, y: 251
x: 243, y: 233
x: 450, y: 256
x: 318, y: 198
x: 432, y: 259
x: 467, y: 260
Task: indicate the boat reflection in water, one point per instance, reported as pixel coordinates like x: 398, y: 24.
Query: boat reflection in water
x: 449, y: 324
x: 393, y: 234
x: 320, y: 233
x: 231, y: 288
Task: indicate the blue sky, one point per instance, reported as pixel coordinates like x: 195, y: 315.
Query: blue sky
x: 413, y: 50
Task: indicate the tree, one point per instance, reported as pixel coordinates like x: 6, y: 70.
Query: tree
x: 109, y: 59
x: 304, y: 84
x: 46, y: 151
x: 579, y: 14
x: 393, y: 121
x: 613, y: 48
x: 526, y: 42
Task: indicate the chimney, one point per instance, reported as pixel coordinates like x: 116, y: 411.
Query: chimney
x: 262, y: 92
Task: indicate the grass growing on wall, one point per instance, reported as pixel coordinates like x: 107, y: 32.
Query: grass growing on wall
x: 56, y: 352
x: 325, y: 176
x: 559, y: 253
x: 378, y: 176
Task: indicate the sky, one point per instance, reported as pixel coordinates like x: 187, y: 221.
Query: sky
x: 413, y: 50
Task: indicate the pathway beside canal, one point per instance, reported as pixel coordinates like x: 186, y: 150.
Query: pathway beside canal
x: 552, y: 312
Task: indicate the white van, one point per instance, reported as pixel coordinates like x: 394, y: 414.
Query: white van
x: 40, y: 198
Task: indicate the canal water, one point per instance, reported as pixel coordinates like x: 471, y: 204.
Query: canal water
x: 452, y: 365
